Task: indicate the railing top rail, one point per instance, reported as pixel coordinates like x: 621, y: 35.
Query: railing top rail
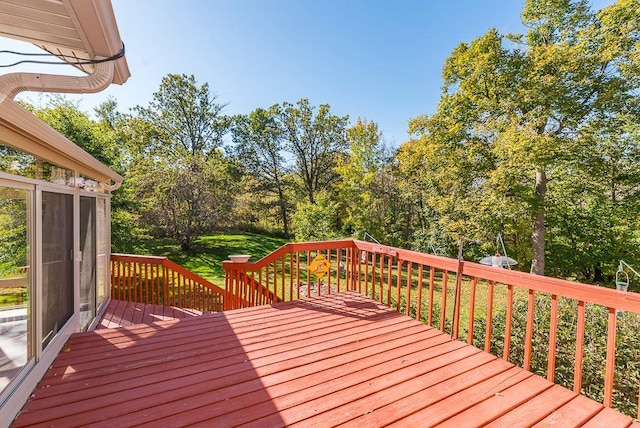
x: 408, y: 255
x: 285, y: 249
x: 193, y: 276
x: 603, y: 296
x: 628, y: 301
x: 135, y: 257
x: 608, y: 297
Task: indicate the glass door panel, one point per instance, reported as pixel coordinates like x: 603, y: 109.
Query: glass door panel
x: 15, y: 291
x: 87, y: 261
x: 57, y: 263
x: 103, y: 250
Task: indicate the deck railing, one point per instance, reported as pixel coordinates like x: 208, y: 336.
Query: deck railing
x: 159, y: 281
x: 482, y: 305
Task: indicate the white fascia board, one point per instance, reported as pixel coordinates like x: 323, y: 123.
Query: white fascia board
x: 96, y: 24
x: 20, y: 129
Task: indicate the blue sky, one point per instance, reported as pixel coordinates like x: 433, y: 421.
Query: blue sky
x: 379, y: 60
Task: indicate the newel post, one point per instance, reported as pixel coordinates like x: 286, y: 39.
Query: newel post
x: 228, y: 285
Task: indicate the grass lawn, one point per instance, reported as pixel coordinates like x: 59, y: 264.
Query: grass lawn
x: 206, y: 256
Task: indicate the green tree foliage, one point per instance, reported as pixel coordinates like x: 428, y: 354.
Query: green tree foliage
x: 317, y: 140
x: 260, y: 148
x: 513, y: 112
x: 13, y: 231
x: 361, y: 177
x: 183, y: 180
x: 317, y: 221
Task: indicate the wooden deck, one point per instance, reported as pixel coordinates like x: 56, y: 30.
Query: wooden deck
x: 120, y: 313
x: 337, y: 360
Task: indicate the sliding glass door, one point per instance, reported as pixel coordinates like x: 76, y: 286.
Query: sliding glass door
x: 57, y: 263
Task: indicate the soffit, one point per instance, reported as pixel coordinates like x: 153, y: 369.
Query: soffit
x: 73, y: 30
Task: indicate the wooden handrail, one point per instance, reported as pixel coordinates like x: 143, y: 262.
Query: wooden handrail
x: 160, y: 281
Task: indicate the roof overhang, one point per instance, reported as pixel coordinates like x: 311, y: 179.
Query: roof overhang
x: 73, y: 30
x: 81, y: 29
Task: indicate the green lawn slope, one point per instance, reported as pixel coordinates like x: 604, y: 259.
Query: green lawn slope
x: 207, y: 253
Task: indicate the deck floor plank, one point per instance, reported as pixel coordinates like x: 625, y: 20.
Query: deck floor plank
x: 536, y: 408
x: 576, y: 412
x: 338, y: 359
x: 499, y: 403
x: 220, y: 364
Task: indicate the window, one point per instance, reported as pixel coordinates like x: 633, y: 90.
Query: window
x: 16, y: 331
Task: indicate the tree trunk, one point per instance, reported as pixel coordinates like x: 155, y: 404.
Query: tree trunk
x: 538, y: 228
x: 283, y: 211
x: 597, y: 273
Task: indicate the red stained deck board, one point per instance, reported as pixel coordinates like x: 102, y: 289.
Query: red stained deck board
x: 286, y: 393
x: 574, y: 413
x: 266, y: 354
x: 345, y: 404
x: 214, y: 392
x: 500, y: 403
x: 537, y: 408
x: 466, y: 398
x: 339, y: 359
x: 608, y: 417
x: 226, y: 376
x: 120, y: 313
x: 178, y: 339
x: 220, y: 364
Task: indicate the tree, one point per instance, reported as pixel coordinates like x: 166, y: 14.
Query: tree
x: 361, y: 176
x: 316, y: 141
x: 183, y: 178
x: 513, y: 108
x: 260, y: 147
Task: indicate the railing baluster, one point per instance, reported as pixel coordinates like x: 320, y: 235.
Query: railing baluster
x: 291, y: 276
x: 146, y: 282
x: 381, y: 276
x: 611, y: 356
x: 419, y: 298
x: 366, y: 276
x: 298, y: 274
x: 577, y: 374
x: 376, y: 274
x: 128, y: 279
x: 456, y: 303
x: 308, y: 273
x: 329, y: 272
x: 339, y: 268
x: 507, y: 324
x: 165, y: 286
x: 528, y: 341
x: 432, y: 279
x: 398, y: 281
x: 408, y: 309
x: 472, y: 309
x: 267, y: 277
x: 356, y: 260
x: 487, y: 338
x: 443, y: 309
x: 553, y: 332
x: 282, y: 273
x: 389, y: 279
